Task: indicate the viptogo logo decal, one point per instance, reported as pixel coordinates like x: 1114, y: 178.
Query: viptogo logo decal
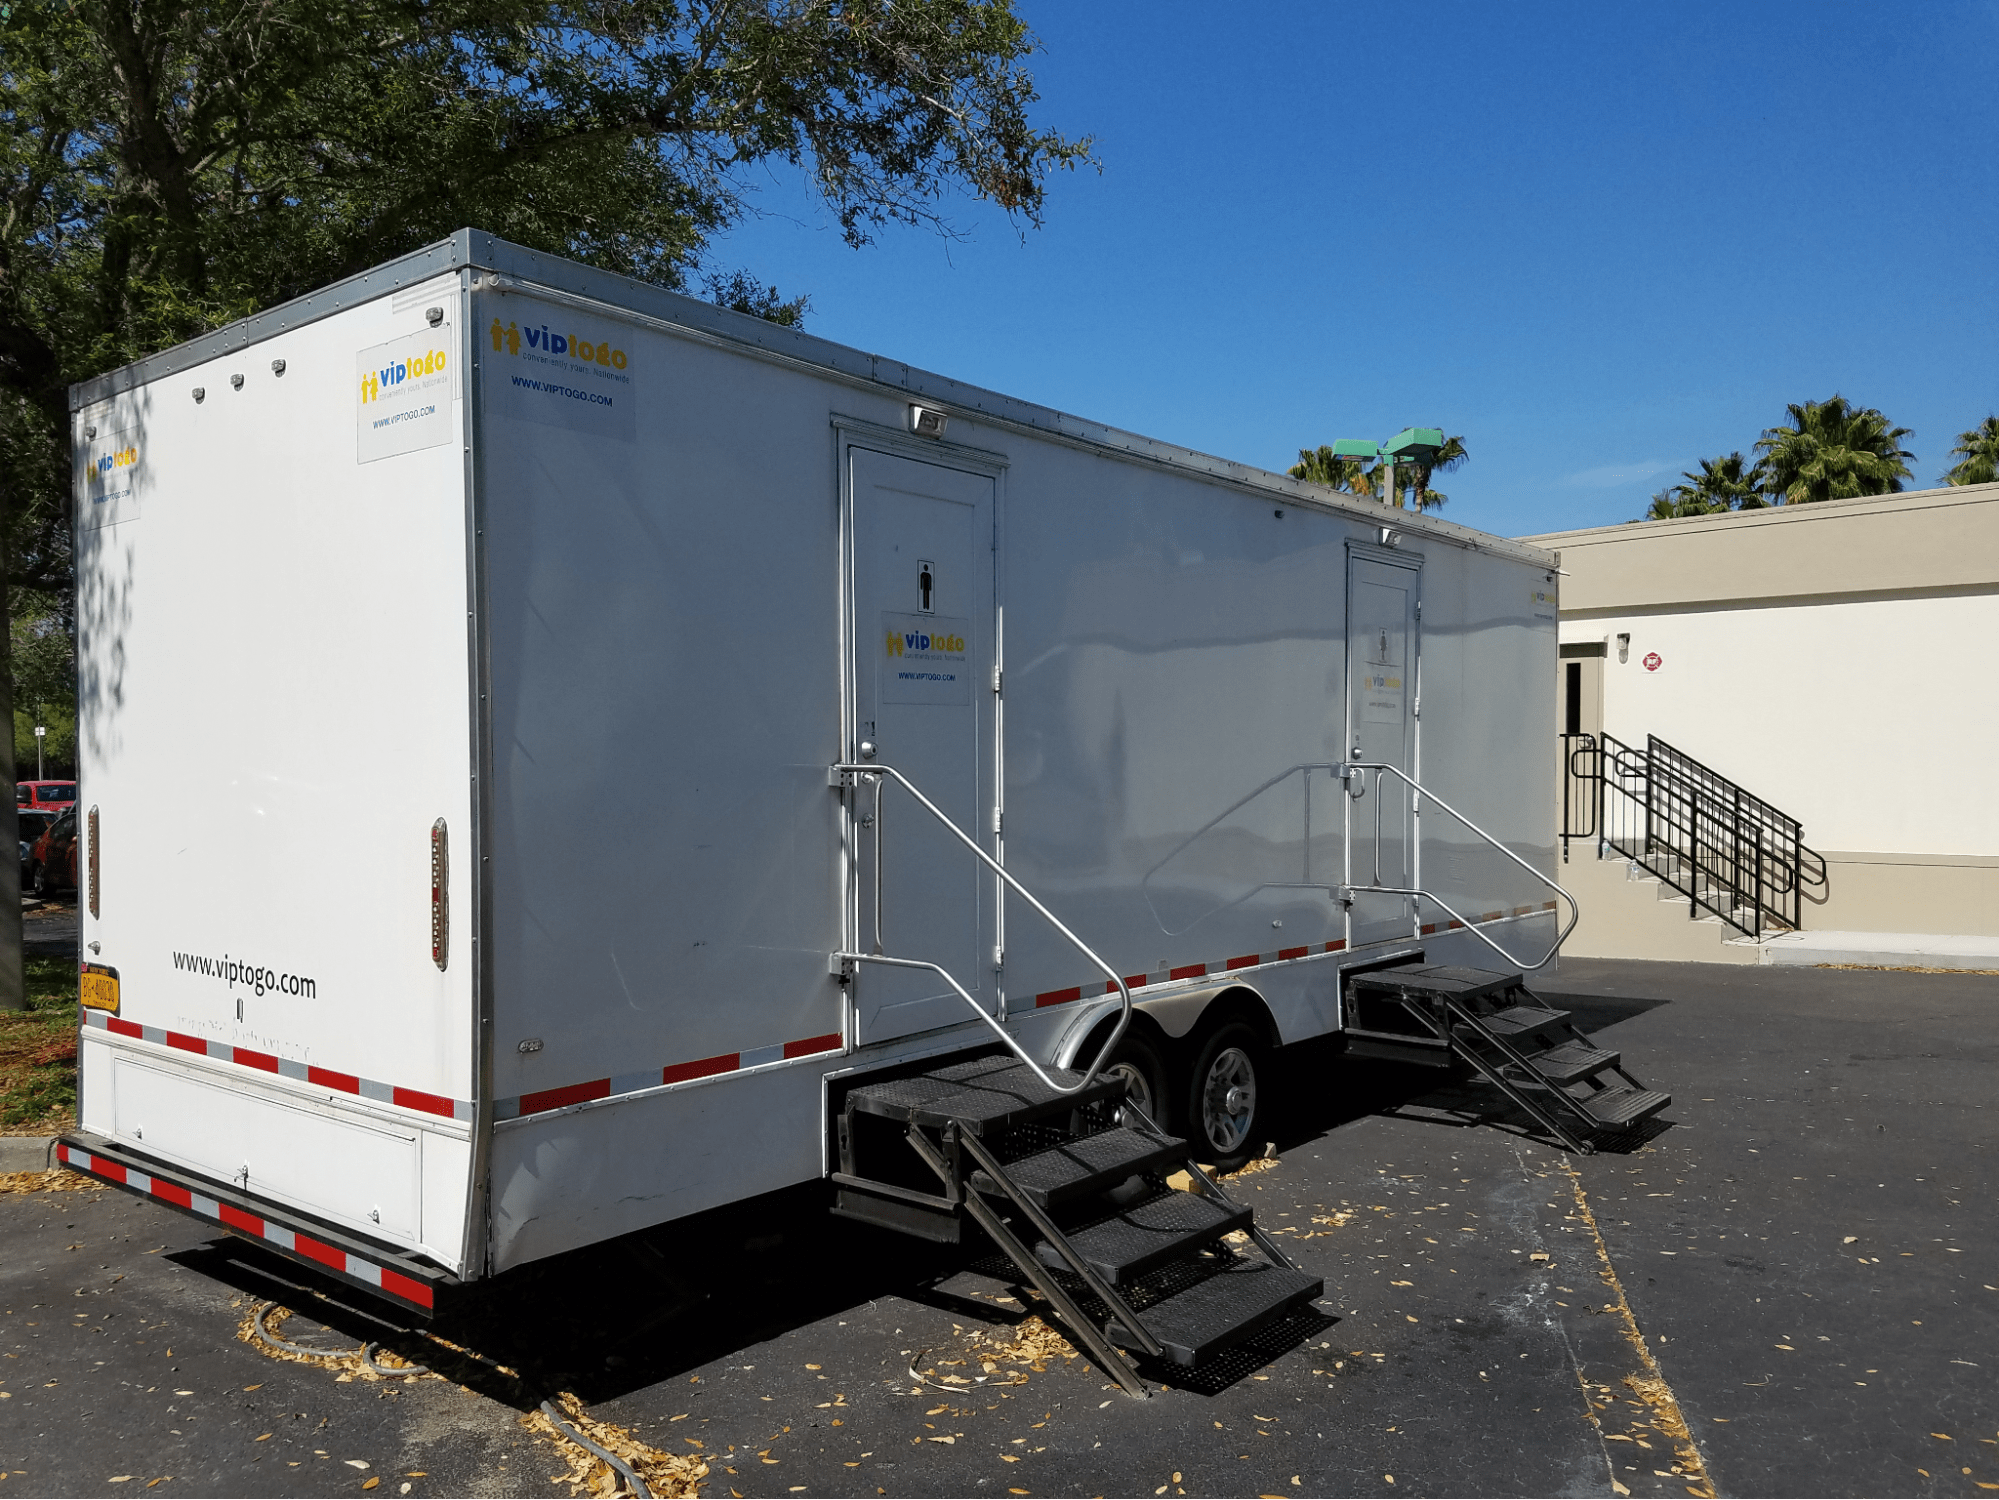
x: 110, y: 471
x: 105, y: 465
x: 404, y: 394
x: 510, y: 337
x: 919, y: 640
x: 377, y: 383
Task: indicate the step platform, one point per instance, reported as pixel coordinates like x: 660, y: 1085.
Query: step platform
x: 1215, y: 1313
x: 1085, y: 1165
x: 981, y: 1097
x: 1147, y: 1235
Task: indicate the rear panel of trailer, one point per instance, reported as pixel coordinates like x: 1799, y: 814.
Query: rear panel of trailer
x: 274, y: 729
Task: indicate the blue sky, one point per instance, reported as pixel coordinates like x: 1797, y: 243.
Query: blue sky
x: 1600, y: 241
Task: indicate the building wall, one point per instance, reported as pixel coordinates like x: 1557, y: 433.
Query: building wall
x: 1838, y: 661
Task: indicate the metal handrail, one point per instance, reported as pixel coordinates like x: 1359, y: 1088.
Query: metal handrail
x: 1727, y: 850
x: 1343, y: 770
x: 873, y: 769
x: 1419, y: 791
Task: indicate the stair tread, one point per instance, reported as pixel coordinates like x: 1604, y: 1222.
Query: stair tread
x: 1136, y: 1239
x: 984, y: 1094
x: 1222, y: 1310
x: 1573, y: 1060
x: 1452, y: 980
x: 1414, y: 1038
x: 1625, y: 1106
x: 1518, y: 1018
x: 1077, y: 1167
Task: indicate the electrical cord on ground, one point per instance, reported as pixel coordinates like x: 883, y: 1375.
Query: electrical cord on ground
x: 368, y: 1362
x: 632, y: 1477
x: 286, y: 1344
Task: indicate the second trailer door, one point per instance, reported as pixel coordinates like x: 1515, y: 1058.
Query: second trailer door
x: 1381, y: 728
x: 922, y: 628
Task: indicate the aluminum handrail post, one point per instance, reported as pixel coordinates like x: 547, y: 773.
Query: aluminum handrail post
x: 870, y: 768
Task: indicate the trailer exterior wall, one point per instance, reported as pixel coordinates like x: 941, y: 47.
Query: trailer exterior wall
x: 667, y: 632
x: 273, y: 712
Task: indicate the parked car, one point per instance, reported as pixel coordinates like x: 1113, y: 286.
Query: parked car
x: 55, y: 794
x: 52, y: 861
x: 35, y: 822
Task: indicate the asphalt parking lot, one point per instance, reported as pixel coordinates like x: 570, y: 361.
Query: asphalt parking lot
x: 1791, y: 1291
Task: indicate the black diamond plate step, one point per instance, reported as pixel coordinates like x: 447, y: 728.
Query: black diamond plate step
x: 1137, y: 1239
x: 1077, y: 1168
x: 1572, y: 1061
x: 1222, y: 1310
x: 982, y: 1096
x: 1625, y: 1106
x: 1520, y: 1019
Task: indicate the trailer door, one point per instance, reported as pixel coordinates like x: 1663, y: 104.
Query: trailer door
x: 922, y: 628
x: 1381, y: 727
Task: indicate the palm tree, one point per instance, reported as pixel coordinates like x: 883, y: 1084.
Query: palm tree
x: 1979, y: 450
x: 1831, y: 451
x: 1722, y: 484
x: 1354, y: 476
x: 1322, y: 466
x: 1451, y: 456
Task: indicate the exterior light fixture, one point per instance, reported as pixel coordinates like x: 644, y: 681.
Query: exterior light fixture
x: 927, y: 421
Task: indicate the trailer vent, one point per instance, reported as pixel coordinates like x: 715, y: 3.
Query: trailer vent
x: 91, y: 853
x: 440, y: 899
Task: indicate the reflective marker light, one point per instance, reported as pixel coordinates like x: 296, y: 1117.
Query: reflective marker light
x: 440, y: 900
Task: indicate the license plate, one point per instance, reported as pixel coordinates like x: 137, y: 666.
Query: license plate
x: 99, y: 987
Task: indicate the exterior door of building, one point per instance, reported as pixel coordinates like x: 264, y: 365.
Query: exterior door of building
x: 921, y: 561
x: 1382, y: 646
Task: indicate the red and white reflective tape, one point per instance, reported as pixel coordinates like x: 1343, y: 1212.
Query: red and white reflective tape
x: 1254, y: 960
x: 285, y: 1067
x: 544, y: 1100
x: 394, y: 1283
x: 1189, y: 971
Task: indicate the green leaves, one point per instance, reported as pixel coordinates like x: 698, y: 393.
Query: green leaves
x: 1832, y: 451
x: 169, y: 167
x: 1978, y: 455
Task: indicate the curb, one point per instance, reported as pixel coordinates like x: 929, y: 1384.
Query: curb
x: 25, y: 1153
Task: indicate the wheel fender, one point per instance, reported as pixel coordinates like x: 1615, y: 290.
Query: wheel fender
x: 1176, y: 1016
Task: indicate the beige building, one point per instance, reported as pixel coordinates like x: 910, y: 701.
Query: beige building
x: 1839, y: 661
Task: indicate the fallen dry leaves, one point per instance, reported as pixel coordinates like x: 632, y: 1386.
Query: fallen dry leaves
x: 674, y: 1475
x: 55, y: 1180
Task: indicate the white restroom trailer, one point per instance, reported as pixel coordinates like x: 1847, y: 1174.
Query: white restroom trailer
x: 466, y: 652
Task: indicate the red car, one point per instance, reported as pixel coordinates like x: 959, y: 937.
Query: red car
x: 52, y: 859
x: 54, y: 794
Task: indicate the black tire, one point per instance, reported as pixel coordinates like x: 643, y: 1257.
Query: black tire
x: 1227, y: 1097
x: 1143, y: 1066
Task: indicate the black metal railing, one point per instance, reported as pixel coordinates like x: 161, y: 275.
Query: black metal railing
x: 1732, y: 854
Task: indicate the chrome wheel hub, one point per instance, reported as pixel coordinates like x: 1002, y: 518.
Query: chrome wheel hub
x: 1228, y: 1100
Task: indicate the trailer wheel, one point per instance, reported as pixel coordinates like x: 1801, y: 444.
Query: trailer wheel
x: 1226, y: 1104
x: 1140, y: 1064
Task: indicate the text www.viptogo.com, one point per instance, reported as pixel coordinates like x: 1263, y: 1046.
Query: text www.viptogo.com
x: 233, y: 971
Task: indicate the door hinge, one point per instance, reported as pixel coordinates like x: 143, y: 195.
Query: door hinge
x: 997, y: 820
x: 997, y: 675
